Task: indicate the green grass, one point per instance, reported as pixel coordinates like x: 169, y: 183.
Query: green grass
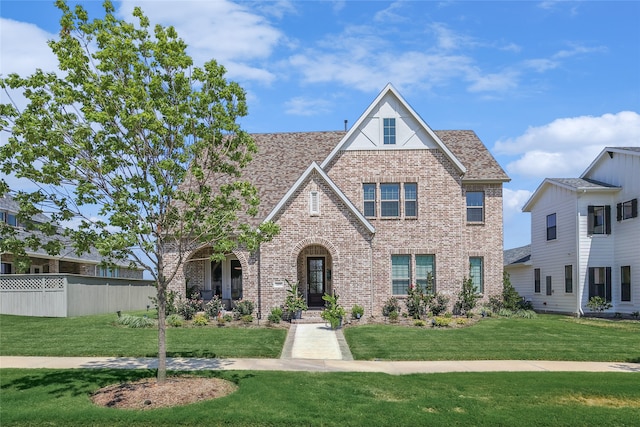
x: 99, y: 336
x: 548, y: 337
x: 61, y: 398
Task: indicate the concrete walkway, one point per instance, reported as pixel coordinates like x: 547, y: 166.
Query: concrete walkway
x: 315, y: 341
x: 316, y: 365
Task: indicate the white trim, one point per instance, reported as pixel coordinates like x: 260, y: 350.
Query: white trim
x: 607, y: 150
x: 355, y: 128
x: 315, y: 168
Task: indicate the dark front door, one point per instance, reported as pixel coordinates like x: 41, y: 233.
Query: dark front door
x: 315, y: 277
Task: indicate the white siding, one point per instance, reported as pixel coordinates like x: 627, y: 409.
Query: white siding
x: 521, y: 277
x: 551, y: 256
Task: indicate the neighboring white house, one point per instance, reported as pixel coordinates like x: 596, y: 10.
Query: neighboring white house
x: 585, y: 237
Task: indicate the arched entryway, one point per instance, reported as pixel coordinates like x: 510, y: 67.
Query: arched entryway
x: 315, y: 273
x: 223, y: 279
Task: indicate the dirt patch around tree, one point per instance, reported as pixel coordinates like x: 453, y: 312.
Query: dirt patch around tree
x: 175, y: 391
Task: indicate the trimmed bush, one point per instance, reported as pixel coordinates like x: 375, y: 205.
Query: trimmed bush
x: 200, y: 320
x: 276, y: 315
x: 442, y: 322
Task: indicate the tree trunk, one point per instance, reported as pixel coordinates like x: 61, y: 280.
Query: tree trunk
x: 162, y: 343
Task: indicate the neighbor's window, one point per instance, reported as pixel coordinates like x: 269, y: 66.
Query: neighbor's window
x: 476, y: 273
x: 111, y: 271
x: 551, y: 227
x: 568, y: 278
x: 475, y: 206
x: 625, y: 283
x: 12, y: 220
x: 536, y: 280
x: 627, y: 210
x: 425, y: 270
x: 599, y: 220
x: 389, y: 131
x: 549, y: 286
x: 410, y: 199
x: 369, y: 199
x: 400, y: 274
x: 5, y: 268
x: 389, y: 200
x: 600, y: 282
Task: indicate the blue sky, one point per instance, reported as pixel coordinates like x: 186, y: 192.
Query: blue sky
x: 545, y: 85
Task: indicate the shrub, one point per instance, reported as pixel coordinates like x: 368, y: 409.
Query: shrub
x: 200, y: 320
x: 247, y: 318
x: 440, y: 321
x: 635, y: 314
x: 227, y: 317
x: 393, y: 316
x: 598, y: 304
x: 333, y: 312
x: 448, y: 315
x: 419, y: 322
x: 357, y: 311
x: 505, y: 312
x: 214, y: 307
x: 276, y: 315
x: 415, y: 301
x: 467, y: 298
x: 135, y: 321
x: 438, y: 304
x: 189, y: 307
x: 390, y: 306
x: 525, y: 314
x: 175, y: 320
x: 461, y: 321
x: 243, y: 308
x: 170, y: 306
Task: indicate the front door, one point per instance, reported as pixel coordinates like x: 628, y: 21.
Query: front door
x: 315, y: 277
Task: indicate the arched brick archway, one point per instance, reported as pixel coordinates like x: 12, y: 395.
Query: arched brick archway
x: 316, y: 259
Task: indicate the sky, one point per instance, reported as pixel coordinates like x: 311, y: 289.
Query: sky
x: 546, y: 85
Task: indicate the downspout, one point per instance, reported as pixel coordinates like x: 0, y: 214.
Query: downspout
x: 371, y: 282
x: 579, y: 286
x: 258, y: 254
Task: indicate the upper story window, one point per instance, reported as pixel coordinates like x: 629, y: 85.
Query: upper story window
x: 551, y: 227
x: 369, y: 199
x: 475, y: 206
x: 627, y: 210
x: 10, y: 218
x: 314, y: 203
x: 389, y: 200
x: 410, y: 199
x: 389, y: 131
x: 599, y: 220
x: 109, y: 271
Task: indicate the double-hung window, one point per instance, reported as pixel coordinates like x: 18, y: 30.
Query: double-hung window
x: 410, y: 199
x: 627, y: 210
x: 400, y: 274
x: 476, y: 273
x: 369, y: 199
x: 389, y: 200
x: 600, y: 282
x: 551, y: 227
x: 475, y: 206
x: 599, y: 219
x: 425, y: 272
x: 536, y: 280
x: 625, y: 283
x: 568, y: 278
x: 389, y: 131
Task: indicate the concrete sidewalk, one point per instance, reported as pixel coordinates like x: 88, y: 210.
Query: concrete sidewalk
x: 315, y: 341
x: 316, y: 365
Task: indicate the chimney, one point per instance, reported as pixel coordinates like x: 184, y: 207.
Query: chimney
x: 345, y: 124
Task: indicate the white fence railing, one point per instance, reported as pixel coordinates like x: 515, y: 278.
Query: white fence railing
x: 65, y: 295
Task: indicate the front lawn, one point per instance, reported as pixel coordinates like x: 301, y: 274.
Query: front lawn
x: 98, y: 336
x: 548, y: 337
x: 62, y: 397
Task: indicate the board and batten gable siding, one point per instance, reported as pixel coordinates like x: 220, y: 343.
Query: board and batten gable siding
x: 551, y: 256
x: 622, y: 170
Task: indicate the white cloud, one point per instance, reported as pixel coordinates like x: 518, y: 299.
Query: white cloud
x: 565, y: 147
x: 300, y: 106
x: 513, y: 201
x: 30, y: 53
x: 230, y: 33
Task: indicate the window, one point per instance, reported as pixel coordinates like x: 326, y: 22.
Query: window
x: 389, y: 200
x: 236, y: 280
x: 536, y: 280
x: 551, y: 227
x: 110, y: 271
x: 476, y: 273
x: 549, y: 286
x: 625, y: 283
x: 410, y: 199
x: 314, y: 203
x: 400, y: 274
x: 599, y: 220
x: 389, y: 131
x: 5, y: 268
x: 568, y: 279
x: 425, y: 272
x: 600, y: 282
x: 369, y: 199
x: 475, y: 206
x: 12, y: 220
x: 627, y: 210
x: 216, y: 278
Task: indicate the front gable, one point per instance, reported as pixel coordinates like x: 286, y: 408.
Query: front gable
x: 409, y: 131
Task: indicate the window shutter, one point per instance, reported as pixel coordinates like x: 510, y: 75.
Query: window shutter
x: 592, y: 278
x: 607, y: 219
x: 607, y: 284
x: 634, y: 208
x: 590, y: 220
x: 619, y: 212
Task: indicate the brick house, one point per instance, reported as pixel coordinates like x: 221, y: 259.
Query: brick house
x: 365, y: 213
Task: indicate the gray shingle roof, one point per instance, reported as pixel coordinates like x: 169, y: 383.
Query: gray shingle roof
x: 580, y: 183
x: 517, y: 255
